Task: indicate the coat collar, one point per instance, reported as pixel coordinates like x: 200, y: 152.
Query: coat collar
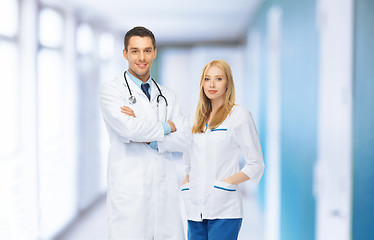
x: 136, y: 89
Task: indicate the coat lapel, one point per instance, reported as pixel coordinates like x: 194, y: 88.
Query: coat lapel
x: 136, y: 91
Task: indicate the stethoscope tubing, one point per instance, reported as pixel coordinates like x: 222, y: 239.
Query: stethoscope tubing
x: 132, y: 98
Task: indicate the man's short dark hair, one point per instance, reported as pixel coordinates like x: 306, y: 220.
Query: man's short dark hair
x: 141, y: 32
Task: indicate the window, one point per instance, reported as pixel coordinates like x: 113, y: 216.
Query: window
x: 9, y: 96
x: 106, y: 46
x: 9, y: 18
x: 9, y: 137
x: 51, y: 28
x: 85, y: 39
x: 56, y: 124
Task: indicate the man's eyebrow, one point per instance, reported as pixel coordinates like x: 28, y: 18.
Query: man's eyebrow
x: 136, y: 48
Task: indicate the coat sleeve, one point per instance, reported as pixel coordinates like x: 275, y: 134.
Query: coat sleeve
x: 245, y: 135
x: 126, y: 127
x: 180, y: 140
x: 186, y: 162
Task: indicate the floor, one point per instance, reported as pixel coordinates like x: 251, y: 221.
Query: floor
x: 91, y: 225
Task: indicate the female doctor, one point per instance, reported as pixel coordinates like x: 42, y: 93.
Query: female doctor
x: 222, y: 131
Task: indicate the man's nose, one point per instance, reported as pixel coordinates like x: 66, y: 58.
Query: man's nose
x: 142, y: 55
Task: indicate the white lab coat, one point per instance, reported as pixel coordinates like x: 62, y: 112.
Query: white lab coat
x: 214, y: 156
x: 143, y: 191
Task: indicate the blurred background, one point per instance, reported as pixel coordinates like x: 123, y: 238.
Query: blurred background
x: 305, y: 69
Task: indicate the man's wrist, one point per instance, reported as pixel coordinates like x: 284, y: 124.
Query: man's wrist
x: 167, y: 127
x: 153, y: 145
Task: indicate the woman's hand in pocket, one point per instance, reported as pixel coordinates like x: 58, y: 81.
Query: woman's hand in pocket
x: 237, y: 178
x: 186, y: 179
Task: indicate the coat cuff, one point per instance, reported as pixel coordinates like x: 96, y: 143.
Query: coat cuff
x: 167, y: 128
x: 154, y: 145
x: 254, y: 172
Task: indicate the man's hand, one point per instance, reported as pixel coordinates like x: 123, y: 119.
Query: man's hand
x: 173, y: 129
x: 128, y: 111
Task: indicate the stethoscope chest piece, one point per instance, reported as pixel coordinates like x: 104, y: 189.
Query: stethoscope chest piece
x: 132, y: 100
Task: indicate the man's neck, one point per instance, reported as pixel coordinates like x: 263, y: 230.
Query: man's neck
x: 141, y: 78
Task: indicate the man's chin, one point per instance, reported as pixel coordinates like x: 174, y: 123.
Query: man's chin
x: 140, y: 74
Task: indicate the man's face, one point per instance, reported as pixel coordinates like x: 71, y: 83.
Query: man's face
x: 140, y: 54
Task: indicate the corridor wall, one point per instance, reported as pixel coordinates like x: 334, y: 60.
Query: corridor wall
x: 299, y: 118
x: 298, y: 109
x: 363, y: 122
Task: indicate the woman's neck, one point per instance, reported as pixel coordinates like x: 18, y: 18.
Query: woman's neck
x: 215, y: 106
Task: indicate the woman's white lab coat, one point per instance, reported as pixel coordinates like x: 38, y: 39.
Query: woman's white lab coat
x: 214, y: 156
x: 143, y: 191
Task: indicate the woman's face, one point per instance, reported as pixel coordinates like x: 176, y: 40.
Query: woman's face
x: 215, y: 84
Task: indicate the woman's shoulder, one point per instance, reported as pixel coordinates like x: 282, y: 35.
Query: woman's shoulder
x: 240, y: 115
x: 238, y: 110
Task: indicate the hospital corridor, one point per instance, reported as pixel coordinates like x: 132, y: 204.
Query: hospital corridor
x: 303, y: 69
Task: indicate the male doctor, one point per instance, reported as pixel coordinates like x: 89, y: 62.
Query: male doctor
x: 143, y: 201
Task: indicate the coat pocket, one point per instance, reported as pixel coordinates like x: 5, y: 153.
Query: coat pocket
x: 218, y: 134
x: 224, y: 199
x: 185, y: 190
x: 126, y: 177
x: 185, y: 187
x: 225, y: 186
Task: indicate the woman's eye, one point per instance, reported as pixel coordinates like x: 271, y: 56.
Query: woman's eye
x: 219, y: 79
x: 206, y: 79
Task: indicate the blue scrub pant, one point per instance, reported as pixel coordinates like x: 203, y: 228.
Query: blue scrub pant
x: 215, y: 229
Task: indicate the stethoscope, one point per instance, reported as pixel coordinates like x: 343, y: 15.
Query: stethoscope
x: 132, y: 98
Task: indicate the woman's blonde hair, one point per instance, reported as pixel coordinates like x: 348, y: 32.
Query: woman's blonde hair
x: 204, y: 106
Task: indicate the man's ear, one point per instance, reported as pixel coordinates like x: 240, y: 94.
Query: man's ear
x: 125, y: 54
x: 155, y: 53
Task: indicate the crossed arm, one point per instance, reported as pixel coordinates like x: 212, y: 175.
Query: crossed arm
x: 130, y: 112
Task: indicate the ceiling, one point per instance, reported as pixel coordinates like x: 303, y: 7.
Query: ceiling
x: 172, y: 22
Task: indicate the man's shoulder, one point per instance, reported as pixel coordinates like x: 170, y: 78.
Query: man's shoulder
x: 167, y: 91
x: 111, y: 83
